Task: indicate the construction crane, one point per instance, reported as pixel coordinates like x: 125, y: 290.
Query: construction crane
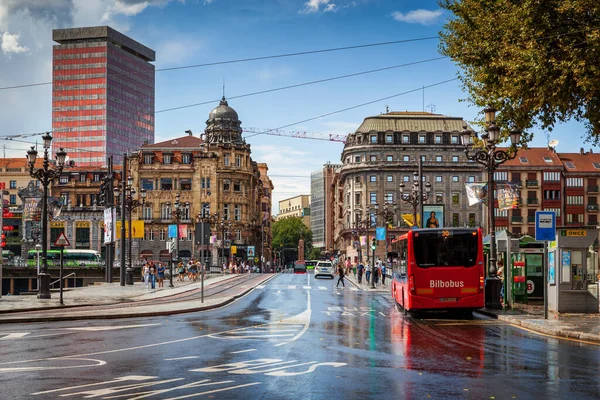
x: 296, y: 134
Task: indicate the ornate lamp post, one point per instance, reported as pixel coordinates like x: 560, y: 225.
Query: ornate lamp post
x: 491, y: 158
x: 45, y: 175
x: 128, y: 205
x: 415, y: 196
x: 181, y: 211
x: 225, y: 226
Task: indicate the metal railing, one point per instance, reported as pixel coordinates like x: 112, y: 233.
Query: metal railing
x: 65, y: 277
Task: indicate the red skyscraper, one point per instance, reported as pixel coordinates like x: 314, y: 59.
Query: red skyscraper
x: 102, y: 94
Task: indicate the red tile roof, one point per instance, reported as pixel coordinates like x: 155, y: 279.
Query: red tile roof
x: 580, y: 162
x: 187, y: 142
x: 536, y: 157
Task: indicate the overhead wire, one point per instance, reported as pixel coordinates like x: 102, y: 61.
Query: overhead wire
x: 242, y: 60
x: 354, y: 107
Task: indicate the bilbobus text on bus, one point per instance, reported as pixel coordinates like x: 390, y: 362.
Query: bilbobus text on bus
x: 439, y: 269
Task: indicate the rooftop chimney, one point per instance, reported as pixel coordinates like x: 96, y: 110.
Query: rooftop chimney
x: 581, y: 151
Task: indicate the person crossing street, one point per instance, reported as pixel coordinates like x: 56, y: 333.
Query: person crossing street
x: 340, y: 273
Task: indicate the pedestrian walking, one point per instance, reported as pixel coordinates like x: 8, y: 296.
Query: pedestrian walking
x: 340, y: 273
x: 368, y: 273
x: 360, y: 270
x: 161, y: 274
x: 383, y: 272
x: 181, y: 272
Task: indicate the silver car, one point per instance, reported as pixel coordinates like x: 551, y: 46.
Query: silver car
x: 324, y: 268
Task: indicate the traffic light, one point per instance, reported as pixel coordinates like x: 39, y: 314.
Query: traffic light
x: 373, y: 244
x: 3, y: 239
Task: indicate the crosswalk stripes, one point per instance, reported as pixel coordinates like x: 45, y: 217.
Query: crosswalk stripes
x: 304, y: 287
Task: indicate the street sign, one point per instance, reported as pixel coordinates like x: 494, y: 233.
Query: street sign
x: 574, y: 232
x: 62, y: 240
x: 545, y: 225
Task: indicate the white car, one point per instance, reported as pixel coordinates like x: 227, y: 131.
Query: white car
x: 324, y: 268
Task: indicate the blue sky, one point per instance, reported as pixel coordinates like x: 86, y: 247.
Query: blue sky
x: 202, y: 31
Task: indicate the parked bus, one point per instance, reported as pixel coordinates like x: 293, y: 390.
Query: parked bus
x: 310, y: 264
x: 71, y: 258
x: 439, y: 269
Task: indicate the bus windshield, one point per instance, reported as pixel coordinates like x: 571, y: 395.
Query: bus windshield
x: 445, y: 249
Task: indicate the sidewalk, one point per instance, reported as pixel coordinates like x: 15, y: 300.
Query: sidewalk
x: 584, y: 327
x: 110, y: 300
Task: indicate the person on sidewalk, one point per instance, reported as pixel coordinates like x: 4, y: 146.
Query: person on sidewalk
x: 360, y: 270
x: 152, y: 276
x: 146, y: 274
x: 340, y: 273
x: 161, y: 275
x: 368, y: 273
x: 181, y: 272
x: 383, y: 271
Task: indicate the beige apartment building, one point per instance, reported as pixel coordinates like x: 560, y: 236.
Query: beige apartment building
x: 298, y: 206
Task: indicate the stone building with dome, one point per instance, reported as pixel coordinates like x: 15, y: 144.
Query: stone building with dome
x: 215, y: 177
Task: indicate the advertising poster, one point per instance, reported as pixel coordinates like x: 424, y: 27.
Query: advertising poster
x: 250, y: 251
x: 137, y: 229
x: 433, y: 215
x: 566, y: 266
x: 380, y: 233
x: 551, y: 269
x: 109, y: 225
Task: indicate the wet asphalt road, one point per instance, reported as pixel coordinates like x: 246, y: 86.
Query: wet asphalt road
x: 294, y: 338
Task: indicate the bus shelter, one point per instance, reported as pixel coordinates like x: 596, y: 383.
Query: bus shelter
x: 572, y: 283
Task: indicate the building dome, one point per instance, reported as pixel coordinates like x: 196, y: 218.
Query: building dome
x: 223, y: 111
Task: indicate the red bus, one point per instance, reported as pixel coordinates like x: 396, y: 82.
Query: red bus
x: 439, y: 269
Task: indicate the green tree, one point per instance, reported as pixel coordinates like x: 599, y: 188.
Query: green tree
x: 315, y: 254
x: 537, y: 62
x: 287, y: 233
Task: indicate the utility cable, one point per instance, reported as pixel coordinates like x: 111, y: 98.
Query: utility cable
x: 354, y: 107
x: 242, y: 60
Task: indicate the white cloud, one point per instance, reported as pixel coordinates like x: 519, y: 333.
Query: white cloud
x: 330, y: 8
x: 420, y: 16
x: 313, y: 6
x: 10, y: 44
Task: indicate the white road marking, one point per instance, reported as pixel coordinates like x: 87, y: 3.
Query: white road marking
x: 292, y: 287
x: 306, y: 287
x: 181, y: 358
x: 97, y: 363
x: 214, y: 391
x: 322, y: 288
x: 354, y: 289
x: 15, y: 335
x: 260, y: 287
x: 107, y: 328
x: 135, y: 378
x: 242, y: 351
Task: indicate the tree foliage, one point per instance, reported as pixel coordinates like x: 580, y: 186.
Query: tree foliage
x: 536, y: 61
x: 315, y: 254
x: 288, y: 231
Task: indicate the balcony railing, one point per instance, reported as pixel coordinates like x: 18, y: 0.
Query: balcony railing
x: 574, y: 223
x: 592, y: 189
x: 531, y: 200
x: 516, y: 219
x: 531, y: 219
x: 531, y: 183
x: 592, y: 207
x: 592, y: 223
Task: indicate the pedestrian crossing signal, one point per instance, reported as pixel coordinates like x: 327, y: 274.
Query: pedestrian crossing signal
x: 373, y: 244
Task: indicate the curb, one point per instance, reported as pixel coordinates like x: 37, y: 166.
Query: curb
x: 58, y: 318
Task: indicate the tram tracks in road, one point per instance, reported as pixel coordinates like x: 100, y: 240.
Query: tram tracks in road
x: 177, y: 298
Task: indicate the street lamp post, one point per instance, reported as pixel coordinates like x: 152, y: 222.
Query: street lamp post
x: 415, y: 196
x: 490, y: 157
x: 128, y: 205
x: 178, y: 213
x: 45, y: 175
x: 225, y: 225
x: 358, y: 231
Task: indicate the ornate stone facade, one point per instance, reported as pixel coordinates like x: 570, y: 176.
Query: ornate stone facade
x: 215, y: 177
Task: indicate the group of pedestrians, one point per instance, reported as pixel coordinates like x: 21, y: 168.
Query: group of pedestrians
x: 153, y: 274
x: 376, y: 272
x: 236, y: 267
